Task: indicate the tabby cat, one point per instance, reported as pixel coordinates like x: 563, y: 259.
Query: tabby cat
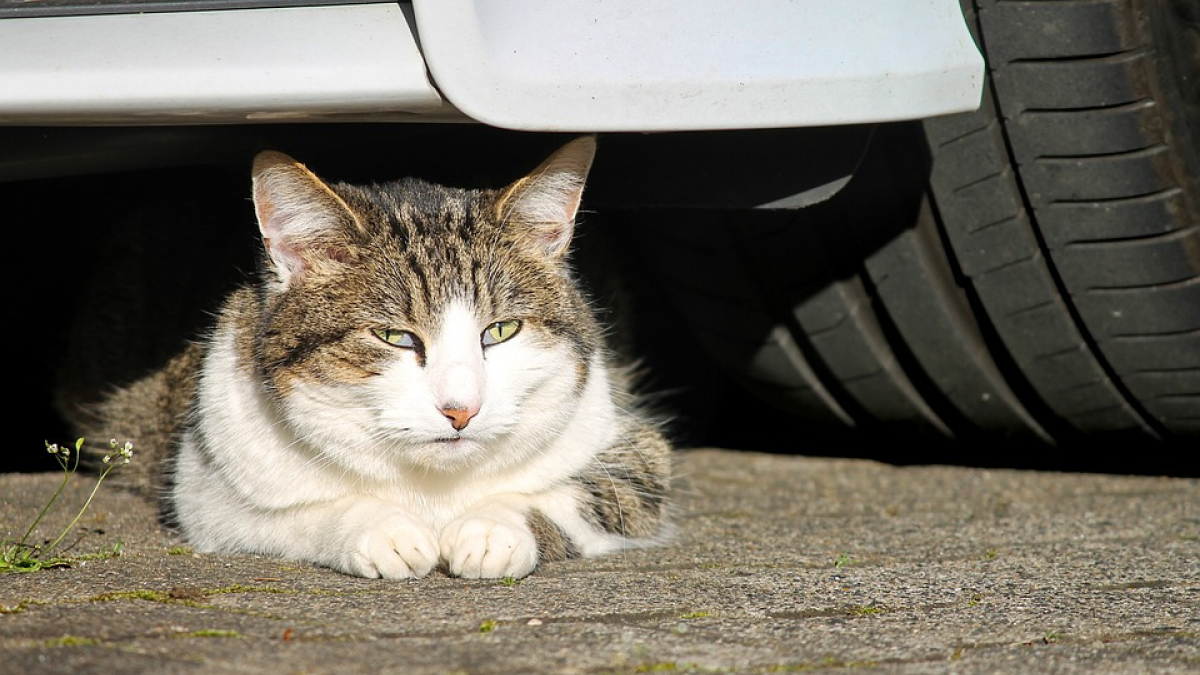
x: 414, y: 380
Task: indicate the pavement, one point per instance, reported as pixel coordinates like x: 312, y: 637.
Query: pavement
x: 781, y: 564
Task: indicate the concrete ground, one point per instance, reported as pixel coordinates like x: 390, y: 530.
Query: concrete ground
x: 781, y: 564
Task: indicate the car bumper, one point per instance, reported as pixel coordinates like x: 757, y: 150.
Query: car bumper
x: 530, y: 64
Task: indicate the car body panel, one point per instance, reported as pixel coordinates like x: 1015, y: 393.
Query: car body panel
x: 628, y: 65
x: 544, y: 65
x: 214, y: 66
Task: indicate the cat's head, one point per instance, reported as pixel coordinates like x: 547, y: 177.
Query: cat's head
x: 411, y: 324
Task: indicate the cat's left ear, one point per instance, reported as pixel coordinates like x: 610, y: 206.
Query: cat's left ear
x: 547, y: 200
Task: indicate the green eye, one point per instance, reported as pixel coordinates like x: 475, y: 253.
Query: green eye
x: 396, y: 338
x: 500, y: 331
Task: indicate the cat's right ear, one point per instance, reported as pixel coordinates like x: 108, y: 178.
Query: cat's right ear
x: 300, y: 218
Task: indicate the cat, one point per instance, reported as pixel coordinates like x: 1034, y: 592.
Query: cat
x: 414, y: 381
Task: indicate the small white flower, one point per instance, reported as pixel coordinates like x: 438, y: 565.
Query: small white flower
x: 112, y: 443
x: 107, y: 459
x: 52, y: 448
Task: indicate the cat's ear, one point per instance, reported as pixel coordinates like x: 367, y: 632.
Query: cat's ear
x: 302, y: 221
x: 547, y: 200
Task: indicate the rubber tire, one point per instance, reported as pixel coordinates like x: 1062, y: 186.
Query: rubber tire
x: 1072, y: 203
x: 1029, y: 271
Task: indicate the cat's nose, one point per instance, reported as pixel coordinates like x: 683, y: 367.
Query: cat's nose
x: 459, y: 417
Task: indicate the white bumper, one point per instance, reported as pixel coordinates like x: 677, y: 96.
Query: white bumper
x: 547, y: 65
x: 632, y: 65
x: 220, y: 66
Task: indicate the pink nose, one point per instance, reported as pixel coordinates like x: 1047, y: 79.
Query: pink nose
x: 459, y: 417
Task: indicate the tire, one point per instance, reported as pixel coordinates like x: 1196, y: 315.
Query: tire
x: 1026, y: 272
x: 1072, y: 203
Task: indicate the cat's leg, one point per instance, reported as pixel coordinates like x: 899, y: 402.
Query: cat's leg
x: 492, y: 540
x: 363, y: 536
x: 618, y: 500
x: 352, y: 533
x: 373, y: 538
x: 358, y: 535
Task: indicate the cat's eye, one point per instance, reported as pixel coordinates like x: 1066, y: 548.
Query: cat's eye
x: 499, y: 332
x: 396, y: 338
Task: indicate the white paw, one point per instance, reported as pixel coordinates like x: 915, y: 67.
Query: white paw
x: 392, y: 545
x: 477, y: 546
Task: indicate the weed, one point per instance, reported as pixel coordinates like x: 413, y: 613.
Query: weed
x: 844, y: 559
x: 509, y: 581
x: 17, y: 608
x: 113, y: 551
x: 487, y: 626
x: 21, y: 556
x: 695, y: 615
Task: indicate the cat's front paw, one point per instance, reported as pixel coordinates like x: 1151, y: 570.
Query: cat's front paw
x: 479, y: 546
x: 392, y: 545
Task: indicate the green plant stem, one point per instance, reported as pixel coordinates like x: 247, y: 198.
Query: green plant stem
x: 82, y: 509
x: 61, y: 486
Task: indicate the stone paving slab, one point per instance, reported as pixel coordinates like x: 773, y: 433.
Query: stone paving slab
x: 781, y: 564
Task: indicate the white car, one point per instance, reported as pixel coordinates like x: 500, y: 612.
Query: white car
x: 843, y: 207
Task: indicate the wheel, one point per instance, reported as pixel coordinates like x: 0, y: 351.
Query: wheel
x: 1029, y: 272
